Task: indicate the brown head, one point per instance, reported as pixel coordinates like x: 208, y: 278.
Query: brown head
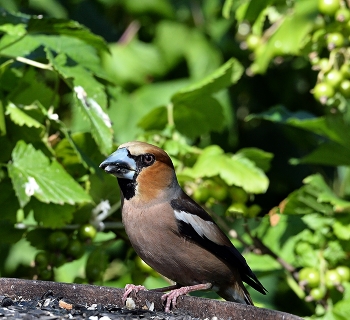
x: 143, y: 170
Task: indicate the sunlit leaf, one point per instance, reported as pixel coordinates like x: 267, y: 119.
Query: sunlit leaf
x: 33, y: 174
x: 262, y: 159
x: 341, y: 310
x: 234, y: 170
x: 19, y: 117
x: 101, y: 126
x: 283, y: 41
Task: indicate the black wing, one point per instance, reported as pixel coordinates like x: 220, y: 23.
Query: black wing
x: 195, y: 224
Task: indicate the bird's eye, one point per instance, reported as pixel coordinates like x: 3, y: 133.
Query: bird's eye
x: 148, y: 159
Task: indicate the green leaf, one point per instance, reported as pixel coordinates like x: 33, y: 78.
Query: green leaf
x: 49, y: 215
x: 254, y: 9
x: 104, y: 188
x: 282, y: 41
x: 19, y: 117
x: 194, y: 117
x: 306, y: 254
x: 128, y: 110
x: 341, y: 310
x: 36, y: 236
x: 31, y: 90
x: 14, y: 19
x: 154, y: 120
x: 72, y: 48
x: 202, y: 56
x: 196, y: 112
x: 161, y: 8
x: 325, y: 193
x: 226, y: 9
x: 314, y: 197
x: 329, y: 154
x: 72, y: 152
x: 280, y: 238
x: 225, y: 76
x: 16, y: 46
x: 281, y: 114
x: 334, y: 253
x: 316, y: 221
x: 101, y: 126
x: 2, y: 120
x: 65, y: 27
x: 52, y: 8
x: 341, y: 227
x: 234, y: 170
x: 18, y: 30
x: 135, y: 62
x: 333, y: 127
x: 262, y: 263
x: 261, y: 159
x: 32, y: 174
x: 169, y: 39
x: 81, y: 76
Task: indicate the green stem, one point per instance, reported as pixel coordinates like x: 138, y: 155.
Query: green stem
x: 170, y: 111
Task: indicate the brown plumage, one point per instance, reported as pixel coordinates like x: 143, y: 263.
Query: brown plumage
x: 171, y: 232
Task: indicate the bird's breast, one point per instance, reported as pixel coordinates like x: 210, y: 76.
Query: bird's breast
x: 153, y: 233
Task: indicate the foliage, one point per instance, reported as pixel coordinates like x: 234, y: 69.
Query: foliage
x: 249, y: 98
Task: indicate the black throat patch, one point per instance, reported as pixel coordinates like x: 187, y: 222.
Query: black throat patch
x: 127, y: 187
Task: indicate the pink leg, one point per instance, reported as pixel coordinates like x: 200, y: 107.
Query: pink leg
x: 172, y: 296
x: 131, y: 287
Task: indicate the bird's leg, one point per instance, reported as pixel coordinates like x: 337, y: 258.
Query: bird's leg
x: 175, y: 286
x: 172, y: 296
x: 131, y: 287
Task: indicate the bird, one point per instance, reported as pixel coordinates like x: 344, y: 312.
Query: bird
x: 171, y: 232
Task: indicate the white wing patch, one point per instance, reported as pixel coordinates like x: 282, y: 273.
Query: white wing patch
x: 204, y: 228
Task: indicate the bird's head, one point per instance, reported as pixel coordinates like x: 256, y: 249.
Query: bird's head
x: 142, y: 169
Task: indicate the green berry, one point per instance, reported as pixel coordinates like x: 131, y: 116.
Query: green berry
x: 342, y: 15
x: 335, y: 40
x: 58, y: 259
x: 344, y: 273
x: 201, y: 194
x: 75, y: 248
x: 58, y: 240
x: 344, y: 88
x: 323, y: 91
x: 332, y: 278
x: 42, y: 259
x: 328, y: 7
x: 345, y: 70
x: 334, y: 78
x: 45, y: 274
x: 253, y: 41
x: 318, y: 293
x: 87, y: 231
x: 311, y: 276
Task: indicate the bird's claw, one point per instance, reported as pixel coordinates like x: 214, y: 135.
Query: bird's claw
x: 129, y: 288
x: 172, y: 296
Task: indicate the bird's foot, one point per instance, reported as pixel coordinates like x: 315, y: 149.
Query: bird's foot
x: 129, y: 288
x: 172, y: 296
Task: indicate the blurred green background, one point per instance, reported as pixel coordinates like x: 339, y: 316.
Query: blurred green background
x: 249, y: 98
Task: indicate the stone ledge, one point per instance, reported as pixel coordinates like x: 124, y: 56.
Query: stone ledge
x: 90, y: 294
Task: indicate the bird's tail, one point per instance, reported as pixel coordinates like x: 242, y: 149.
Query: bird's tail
x: 236, y: 293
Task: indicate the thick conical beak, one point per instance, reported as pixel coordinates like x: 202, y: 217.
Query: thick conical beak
x: 120, y: 164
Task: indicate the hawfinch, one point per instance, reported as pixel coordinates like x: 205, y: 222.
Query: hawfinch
x: 171, y: 232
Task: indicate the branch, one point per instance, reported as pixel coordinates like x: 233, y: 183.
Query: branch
x: 258, y: 244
